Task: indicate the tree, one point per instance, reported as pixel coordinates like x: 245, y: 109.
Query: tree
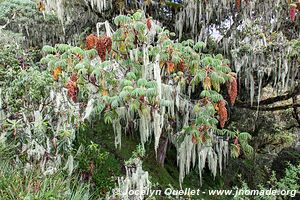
x: 146, y: 81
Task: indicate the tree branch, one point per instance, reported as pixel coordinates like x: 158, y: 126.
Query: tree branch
x: 272, y: 100
x: 276, y: 108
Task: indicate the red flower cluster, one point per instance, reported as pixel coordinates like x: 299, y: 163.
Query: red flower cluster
x: 104, y: 44
x: 293, y: 8
x: 232, y: 89
x: 149, y: 24
x: 181, y: 65
x: 72, y: 88
x: 222, y: 111
x: 194, y: 139
x: 238, y: 4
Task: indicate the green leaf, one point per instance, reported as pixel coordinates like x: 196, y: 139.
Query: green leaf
x: 244, y: 136
x: 138, y: 92
x: 140, y: 27
x: 107, y: 99
x: 44, y: 60
x: 128, y: 88
x: 151, y: 92
x: 100, y: 107
x: 207, y: 61
x: 215, y: 96
x: 137, y: 16
x: 164, y: 56
x: 219, y: 56
x: 62, y: 47
x: 51, y: 64
x: 142, y: 82
x: 127, y: 83
x: 213, y: 121
x: 135, y: 105
x: 151, y: 84
x: 91, y: 53
x: 61, y: 63
x: 200, y: 75
x: 76, y: 50
x: 80, y: 66
x: 105, y: 64
x: 248, y: 149
x: 199, y: 46
x: 176, y: 58
x: 115, y: 103
x: 48, y: 49
x: 131, y: 76
x: 122, y: 20
x: 205, y: 93
x: 229, y: 133
x: 210, y: 109
x: 108, y: 117
x: 188, y: 42
x: 234, y: 151
x: 123, y: 94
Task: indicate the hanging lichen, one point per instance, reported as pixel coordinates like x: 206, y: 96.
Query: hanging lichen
x: 188, y: 153
x: 136, y: 180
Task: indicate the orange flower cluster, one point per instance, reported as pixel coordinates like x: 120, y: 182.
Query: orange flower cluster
x: 41, y: 6
x: 72, y: 88
x: 91, y: 41
x: 232, y: 89
x: 56, y: 73
x: 170, y: 66
x: 104, y: 44
x: 222, y: 112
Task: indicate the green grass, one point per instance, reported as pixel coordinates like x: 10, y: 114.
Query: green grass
x: 17, y: 184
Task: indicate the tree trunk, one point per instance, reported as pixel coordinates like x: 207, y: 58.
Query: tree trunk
x: 296, y: 112
x: 162, y: 150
